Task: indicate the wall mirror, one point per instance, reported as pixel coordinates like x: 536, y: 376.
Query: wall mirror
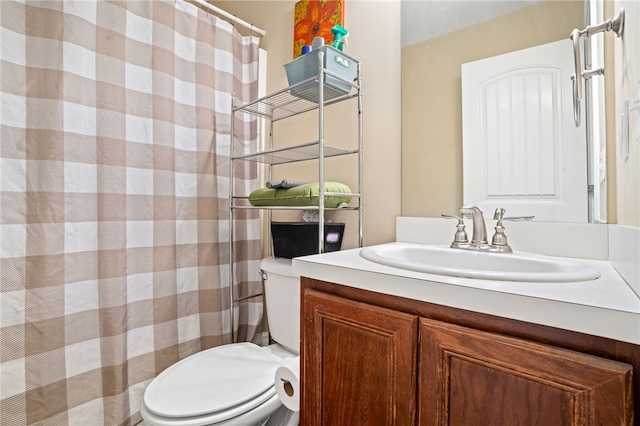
x: 438, y: 36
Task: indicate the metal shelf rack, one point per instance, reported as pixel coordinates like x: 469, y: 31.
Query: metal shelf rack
x: 291, y: 101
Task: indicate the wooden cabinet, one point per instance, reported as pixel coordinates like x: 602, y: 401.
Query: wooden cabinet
x: 470, y: 377
x: 359, y: 363
x: 371, y: 359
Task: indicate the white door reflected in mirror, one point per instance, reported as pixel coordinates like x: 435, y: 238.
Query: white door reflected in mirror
x: 520, y: 147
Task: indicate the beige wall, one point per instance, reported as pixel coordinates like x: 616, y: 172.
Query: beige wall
x: 374, y: 40
x: 627, y: 86
x: 432, y: 100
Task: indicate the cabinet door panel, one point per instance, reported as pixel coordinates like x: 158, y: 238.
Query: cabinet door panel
x: 469, y: 377
x: 478, y: 394
x: 360, y: 363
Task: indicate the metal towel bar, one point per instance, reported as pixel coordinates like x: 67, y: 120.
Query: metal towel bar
x: 616, y: 25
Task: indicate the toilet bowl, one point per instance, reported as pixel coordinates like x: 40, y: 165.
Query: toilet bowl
x: 232, y: 384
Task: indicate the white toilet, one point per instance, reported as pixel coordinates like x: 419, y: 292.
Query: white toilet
x: 233, y: 384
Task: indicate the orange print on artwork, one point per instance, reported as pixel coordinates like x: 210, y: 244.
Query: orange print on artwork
x: 315, y: 18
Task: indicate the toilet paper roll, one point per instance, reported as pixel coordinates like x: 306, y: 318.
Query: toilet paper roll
x: 287, y: 384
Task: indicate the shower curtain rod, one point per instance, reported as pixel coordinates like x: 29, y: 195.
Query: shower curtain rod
x: 232, y: 18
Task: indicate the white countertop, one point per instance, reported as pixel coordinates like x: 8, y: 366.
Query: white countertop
x: 605, y: 307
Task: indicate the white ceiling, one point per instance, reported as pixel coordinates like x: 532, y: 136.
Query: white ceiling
x: 426, y: 19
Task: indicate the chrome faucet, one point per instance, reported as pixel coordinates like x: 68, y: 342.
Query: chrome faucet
x: 479, y: 228
x: 479, y: 240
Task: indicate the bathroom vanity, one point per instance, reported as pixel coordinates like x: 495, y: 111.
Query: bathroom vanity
x: 382, y: 345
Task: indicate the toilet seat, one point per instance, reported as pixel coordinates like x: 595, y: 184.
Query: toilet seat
x: 219, y: 383
x: 254, y: 416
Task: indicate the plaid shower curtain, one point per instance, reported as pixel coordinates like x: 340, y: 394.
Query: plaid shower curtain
x: 114, y: 146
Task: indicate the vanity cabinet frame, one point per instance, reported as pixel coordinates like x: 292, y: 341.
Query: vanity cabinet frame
x: 286, y: 103
x: 604, y: 363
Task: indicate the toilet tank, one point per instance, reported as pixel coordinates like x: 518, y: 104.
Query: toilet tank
x: 282, y: 295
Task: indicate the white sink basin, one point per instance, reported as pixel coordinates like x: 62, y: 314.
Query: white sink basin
x: 441, y: 260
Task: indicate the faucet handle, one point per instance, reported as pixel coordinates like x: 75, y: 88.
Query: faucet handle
x: 453, y: 216
x: 499, y: 213
x: 516, y: 218
x: 461, y: 234
x: 498, y: 216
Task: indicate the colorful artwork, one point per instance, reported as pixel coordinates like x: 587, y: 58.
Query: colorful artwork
x: 315, y: 18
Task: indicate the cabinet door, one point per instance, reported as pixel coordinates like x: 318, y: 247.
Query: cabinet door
x: 359, y: 363
x: 469, y: 377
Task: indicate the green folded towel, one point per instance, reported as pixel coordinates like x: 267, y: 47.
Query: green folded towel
x: 302, y: 195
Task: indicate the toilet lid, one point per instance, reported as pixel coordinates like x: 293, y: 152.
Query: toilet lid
x: 212, y: 380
